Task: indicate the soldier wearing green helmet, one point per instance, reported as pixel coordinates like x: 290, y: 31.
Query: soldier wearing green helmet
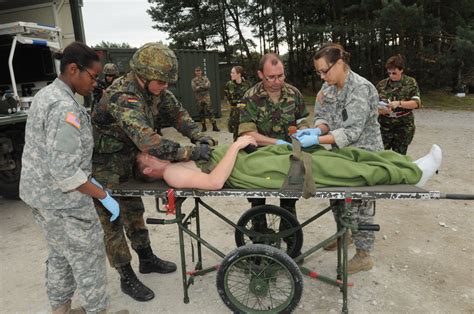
x: 111, y: 72
x: 124, y: 124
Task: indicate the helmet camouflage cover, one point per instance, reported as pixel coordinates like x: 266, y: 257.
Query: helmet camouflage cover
x: 155, y: 61
x: 110, y: 69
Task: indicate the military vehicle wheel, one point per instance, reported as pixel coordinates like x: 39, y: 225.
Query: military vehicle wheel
x: 10, y: 182
x: 259, y: 278
x: 264, y: 222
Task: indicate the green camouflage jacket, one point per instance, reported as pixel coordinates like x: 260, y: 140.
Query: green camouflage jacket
x: 261, y: 115
x: 405, y: 89
x: 235, y: 92
x: 125, y: 119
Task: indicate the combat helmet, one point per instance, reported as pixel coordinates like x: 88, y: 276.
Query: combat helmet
x: 155, y: 61
x: 110, y: 69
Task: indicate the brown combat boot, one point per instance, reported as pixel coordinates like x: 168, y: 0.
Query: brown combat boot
x: 63, y: 308
x: 362, y: 261
x: 332, y: 246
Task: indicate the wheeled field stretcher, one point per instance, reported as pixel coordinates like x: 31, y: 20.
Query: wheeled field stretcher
x: 261, y: 274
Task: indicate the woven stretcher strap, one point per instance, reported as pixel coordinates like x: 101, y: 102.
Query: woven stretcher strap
x: 300, y: 174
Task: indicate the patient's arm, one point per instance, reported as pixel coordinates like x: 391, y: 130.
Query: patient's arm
x: 180, y: 175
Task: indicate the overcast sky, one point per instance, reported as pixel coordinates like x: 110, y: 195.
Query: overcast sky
x: 119, y: 21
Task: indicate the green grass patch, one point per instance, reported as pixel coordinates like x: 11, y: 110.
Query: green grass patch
x: 436, y: 99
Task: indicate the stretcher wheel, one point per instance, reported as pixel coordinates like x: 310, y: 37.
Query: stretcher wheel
x: 259, y: 278
x: 269, y: 220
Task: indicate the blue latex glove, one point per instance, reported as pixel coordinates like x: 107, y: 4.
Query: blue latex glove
x: 308, y: 140
x: 97, y: 183
x: 111, y: 205
x: 282, y: 142
x: 312, y: 132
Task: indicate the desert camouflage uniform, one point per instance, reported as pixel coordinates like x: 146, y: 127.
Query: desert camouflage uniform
x: 398, y: 129
x: 56, y: 161
x: 234, y: 93
x: 201, y: 86
x: 261, y: 115
x: 124, y: 123
x: 351, y: 115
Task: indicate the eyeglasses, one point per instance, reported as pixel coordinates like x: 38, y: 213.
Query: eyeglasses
x: 324, y: 72
x: 275, y: 78
x: 81, y: 67
x: 391, y: 73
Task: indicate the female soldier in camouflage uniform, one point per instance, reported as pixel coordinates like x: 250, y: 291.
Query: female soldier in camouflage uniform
x: 234, y: 91
x: 55, y: 183
x: 346, y: 115
x: 401, y: 94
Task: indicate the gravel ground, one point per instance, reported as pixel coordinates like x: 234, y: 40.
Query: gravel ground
x: 423, y: 252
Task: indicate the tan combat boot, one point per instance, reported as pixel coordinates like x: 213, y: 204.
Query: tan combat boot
x: 362, y: 261
x: 332, y: 246
x: 63, y: 308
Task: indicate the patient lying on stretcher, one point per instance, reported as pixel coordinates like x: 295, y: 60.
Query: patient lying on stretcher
x: 267, y: 168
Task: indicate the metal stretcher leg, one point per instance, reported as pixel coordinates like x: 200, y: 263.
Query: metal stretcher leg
x: 182, y: 253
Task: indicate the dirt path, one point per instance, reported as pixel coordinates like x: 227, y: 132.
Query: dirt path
x: 424, y: 252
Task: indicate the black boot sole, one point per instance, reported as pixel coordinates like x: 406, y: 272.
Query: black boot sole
x: 144, y: 299
x: 162, y: 271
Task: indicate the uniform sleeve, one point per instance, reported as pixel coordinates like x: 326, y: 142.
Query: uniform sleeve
x: 414, y: 92
x: 195, y: 85
x: 227, y: 91
x: 129, y: 112
x: 321, y: 111
x: 173, y: 111
x: 354, y: 115
x: 302, y: 111
x: 65, y: 155
x: 381, y: 90
x: 207, y: 83
x: 248, y: 115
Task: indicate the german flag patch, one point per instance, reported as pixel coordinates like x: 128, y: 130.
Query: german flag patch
x: 132, y: 100
x: 72, y: 119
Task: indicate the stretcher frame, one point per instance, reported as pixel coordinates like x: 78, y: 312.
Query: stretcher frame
x: 173, y: 199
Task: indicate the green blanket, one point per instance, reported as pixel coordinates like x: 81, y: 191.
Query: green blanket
x: 267, y: 168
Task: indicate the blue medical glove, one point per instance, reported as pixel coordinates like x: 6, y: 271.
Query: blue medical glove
x: 282, y: 142
x: 313, y: 132
x: 308, y: 140
x: 97, y: 183
x: 111, y: 205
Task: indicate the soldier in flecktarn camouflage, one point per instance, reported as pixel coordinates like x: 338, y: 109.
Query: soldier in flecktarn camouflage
x: 124, y: 124
x: 110, y: 72
x: 234, y: 91
x: 201, y: 86
x: 55, y: 182
x: 401, y: 95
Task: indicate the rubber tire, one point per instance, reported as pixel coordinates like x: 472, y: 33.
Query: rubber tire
x: 10, y: 182
x: 274, y: 210
x: 265, y: 251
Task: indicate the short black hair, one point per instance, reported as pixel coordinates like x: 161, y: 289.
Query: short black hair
x: 78, y: 53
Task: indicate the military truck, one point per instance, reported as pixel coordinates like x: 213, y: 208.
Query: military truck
x: 27, y: 65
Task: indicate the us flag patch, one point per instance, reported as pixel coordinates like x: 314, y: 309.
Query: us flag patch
x: 72, y: 119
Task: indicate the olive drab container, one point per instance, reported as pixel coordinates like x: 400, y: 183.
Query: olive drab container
x: 188, y: 60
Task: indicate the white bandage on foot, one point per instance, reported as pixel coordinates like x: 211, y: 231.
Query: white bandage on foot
x: 429, y: 164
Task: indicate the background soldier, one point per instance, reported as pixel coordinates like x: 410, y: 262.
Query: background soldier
x: 201, y: 85
x: 124, y: 124
x: 111, y: 72
x: 234, y: 91
x: 401, y: 94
